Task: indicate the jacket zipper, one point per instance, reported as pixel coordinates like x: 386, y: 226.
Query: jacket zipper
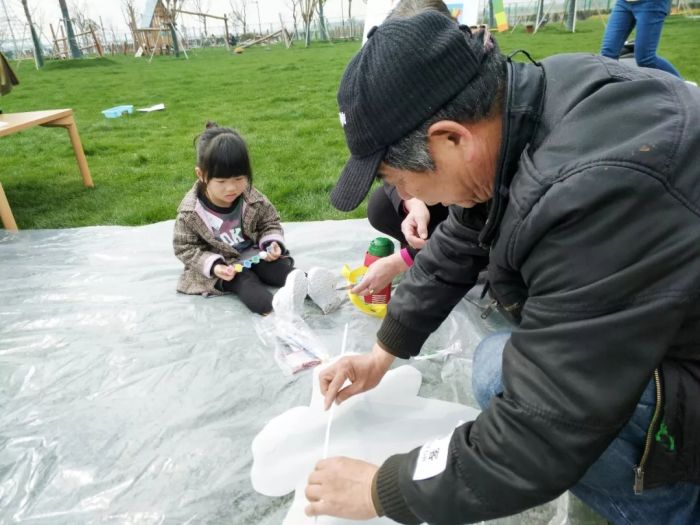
x: 490, y: 308
x: 494, y: 304
x: 639, y: 469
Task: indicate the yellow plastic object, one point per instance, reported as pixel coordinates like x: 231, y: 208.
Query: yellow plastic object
x: 238, y: 267
x: 353, y: 277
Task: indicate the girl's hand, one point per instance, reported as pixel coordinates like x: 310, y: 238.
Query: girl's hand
x: 274, y: 252
x: 415, y: 226
x: 226, y: 273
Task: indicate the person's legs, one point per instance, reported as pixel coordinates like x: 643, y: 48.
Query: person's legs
x: 607, y: 486
x: 251, y: 291
x: 274, y: 273
x: 383, y: 216
x: 650, y: 21
x: 487, y: 366
x: 620, y: 25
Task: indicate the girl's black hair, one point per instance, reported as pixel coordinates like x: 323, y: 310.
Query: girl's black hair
x: 222, y: 154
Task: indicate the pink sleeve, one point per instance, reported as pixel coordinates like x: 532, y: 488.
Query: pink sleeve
x: 406, y: 257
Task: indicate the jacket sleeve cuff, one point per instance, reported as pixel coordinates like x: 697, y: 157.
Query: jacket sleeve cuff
x: 208, y: 265
x: 269, y: 239
x: 375, y: 497
x: 388, y: 493
x: 399, y: 340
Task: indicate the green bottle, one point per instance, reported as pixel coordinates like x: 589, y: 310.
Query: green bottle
x: 378, y: 248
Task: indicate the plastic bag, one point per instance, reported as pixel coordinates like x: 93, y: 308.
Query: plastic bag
x: 294, y: 345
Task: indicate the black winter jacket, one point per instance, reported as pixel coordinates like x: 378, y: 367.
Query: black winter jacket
x: 592, y: 242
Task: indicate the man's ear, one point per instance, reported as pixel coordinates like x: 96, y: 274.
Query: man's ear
x: 448, y: 136
x: 200, y: 174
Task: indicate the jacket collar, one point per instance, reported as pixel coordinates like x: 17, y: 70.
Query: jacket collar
x: 525, y: 88
x: 189, y: 202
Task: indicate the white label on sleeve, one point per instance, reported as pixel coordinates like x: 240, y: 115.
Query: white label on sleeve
x: 432, y: 458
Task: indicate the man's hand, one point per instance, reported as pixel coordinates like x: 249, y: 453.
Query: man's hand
x: 341, y: 487
x: 224, y: 272
x: 415, y: 226
x: 274, y: 252
x: 363, y: 371
x: 380, y: 274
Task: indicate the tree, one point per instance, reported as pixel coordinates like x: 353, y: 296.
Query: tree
x: 322, y: 20
x: 74, y: 49
x: 295, y: 4
x: 129, y: 13
x: 79, y: 9
x: 202, y: 7
x: 239, y: 9
x: 352, y: 26
x: 307, y: 14
x: 38, y: 53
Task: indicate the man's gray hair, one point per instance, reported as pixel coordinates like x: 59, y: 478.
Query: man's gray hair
x: 481, y: 99
x: 407, y: 8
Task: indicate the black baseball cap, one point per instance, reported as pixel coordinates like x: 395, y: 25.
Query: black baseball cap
x: 407, y: 70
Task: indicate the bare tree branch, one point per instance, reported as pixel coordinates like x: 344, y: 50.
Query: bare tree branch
x: 239, y: 9
x: 295, y: 5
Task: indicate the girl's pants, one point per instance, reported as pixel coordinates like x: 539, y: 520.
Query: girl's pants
x: 383, y: 216
x: 648, y: 16
x: 249, y: 285
x: 607, y: 486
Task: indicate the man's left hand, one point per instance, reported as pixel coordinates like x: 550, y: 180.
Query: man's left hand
x: 341, y: 487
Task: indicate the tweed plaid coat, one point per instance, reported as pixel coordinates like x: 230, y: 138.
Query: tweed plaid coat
x: 198, y: 249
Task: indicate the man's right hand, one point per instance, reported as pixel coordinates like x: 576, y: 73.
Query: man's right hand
x: 380, y: 274
x: 363, y: 371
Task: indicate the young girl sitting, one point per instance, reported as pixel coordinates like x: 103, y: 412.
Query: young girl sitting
x: 223, y: 220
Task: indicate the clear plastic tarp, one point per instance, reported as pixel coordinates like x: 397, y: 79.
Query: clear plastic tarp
x: 124, y: 402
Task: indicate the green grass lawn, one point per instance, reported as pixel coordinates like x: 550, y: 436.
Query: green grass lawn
x: 282, y: 101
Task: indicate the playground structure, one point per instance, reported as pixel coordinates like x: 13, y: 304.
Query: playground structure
x: 155, y: 33
x: 89, y: 42
x: 282, y: 34
x: 205, y: 16
x: 159, y: 26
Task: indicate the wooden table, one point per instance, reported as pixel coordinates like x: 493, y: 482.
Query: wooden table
x: 63, y: 118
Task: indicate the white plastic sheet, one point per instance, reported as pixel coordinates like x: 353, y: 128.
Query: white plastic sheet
x: 389, y: 419
x: 122, y: 401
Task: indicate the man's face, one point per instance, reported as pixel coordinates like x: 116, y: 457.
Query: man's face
x: 446, y: 185
x: 464, y: 160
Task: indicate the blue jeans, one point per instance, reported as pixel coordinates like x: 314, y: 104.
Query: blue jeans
x: 648, y: 16
x: 607, y: 485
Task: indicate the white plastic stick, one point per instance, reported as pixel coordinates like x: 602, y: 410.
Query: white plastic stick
x: 330, y: 412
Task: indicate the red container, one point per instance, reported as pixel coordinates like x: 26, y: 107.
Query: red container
x: 378, y: 248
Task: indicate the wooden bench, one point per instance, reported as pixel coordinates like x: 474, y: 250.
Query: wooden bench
x: 15, y: 122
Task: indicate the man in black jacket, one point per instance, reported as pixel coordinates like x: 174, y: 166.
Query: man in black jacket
x: 576, y: 182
